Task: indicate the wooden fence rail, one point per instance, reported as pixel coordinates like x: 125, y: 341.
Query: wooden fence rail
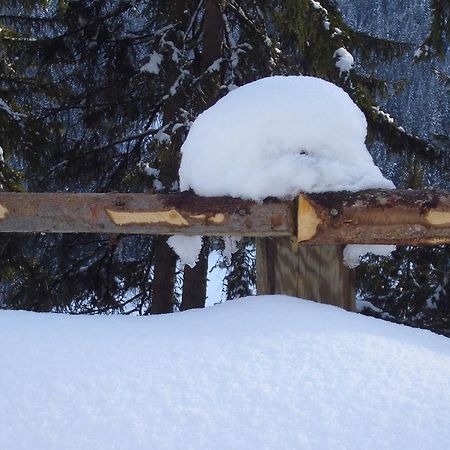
x: 327, y: 221
x: 182, y: 213
x: 370, y: 217
x: 402, y: 217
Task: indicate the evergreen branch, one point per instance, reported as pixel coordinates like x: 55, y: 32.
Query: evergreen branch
x: 385, y: 49
x: 122, y: 8
x: 32, y: 19
x: 442, y: 76
x: 246, y: 21
x: 440, y: 26
x: 81, y: 155
x: 399, y: 140
x: 193, y: 18
x: 129, y: 138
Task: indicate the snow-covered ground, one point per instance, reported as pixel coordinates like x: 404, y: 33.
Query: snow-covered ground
x: 257, y: 373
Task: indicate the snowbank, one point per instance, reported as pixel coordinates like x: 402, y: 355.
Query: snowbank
x: 277, y: 137
x: 258, y: 373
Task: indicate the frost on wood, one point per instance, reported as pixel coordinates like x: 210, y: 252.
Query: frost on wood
x: 277, y: 137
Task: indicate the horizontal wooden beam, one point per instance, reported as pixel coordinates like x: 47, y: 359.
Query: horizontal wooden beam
x: 402, y: 217
x: 182, y: 213
x: 369, y: 217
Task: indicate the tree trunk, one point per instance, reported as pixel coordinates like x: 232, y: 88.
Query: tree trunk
x: 163, y: 278
x: 312, y: 272
x: 168, y: 163
x: 212, y: 33
x: 195, y: 281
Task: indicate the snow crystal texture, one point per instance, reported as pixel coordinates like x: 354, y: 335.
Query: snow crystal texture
x: 258, y: 373
x: 276, y: 137
x: 187, y: 248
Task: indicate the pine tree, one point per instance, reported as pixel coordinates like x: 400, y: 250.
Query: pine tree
x: 412, y: 287
x: 115, y: 86
x: 99, y: 96
x: 83, y: 125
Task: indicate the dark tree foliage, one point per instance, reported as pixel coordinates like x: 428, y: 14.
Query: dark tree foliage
x: 109, y: 90
x: 413, y: 287
x: 99, y: 96
x: 438, y: 38
x: 240, y: 280
x: 81, y: 128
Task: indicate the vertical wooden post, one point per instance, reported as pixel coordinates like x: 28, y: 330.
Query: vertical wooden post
x: 312, y: 272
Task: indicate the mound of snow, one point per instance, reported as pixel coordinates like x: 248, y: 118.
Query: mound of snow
x: 256, y: 373
x: 276, y: 137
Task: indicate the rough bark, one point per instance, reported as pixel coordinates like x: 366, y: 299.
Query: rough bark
x: 168, y: 162
x: 195, y: 281
x: 182, y: 213
x: 370, y: 217
x: 212, y: 33
x: 402, y: 217
x: 163, y: 278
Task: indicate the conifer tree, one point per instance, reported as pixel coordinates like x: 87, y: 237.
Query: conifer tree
x: 99, y: 96
x: 115, y: 87
x: 412, y: 287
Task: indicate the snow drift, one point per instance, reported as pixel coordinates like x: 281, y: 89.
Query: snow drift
x: 256, y: 373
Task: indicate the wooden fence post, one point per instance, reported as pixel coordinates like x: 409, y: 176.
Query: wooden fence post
x: 312, y: 272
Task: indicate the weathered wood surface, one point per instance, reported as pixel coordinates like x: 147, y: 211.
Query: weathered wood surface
x: 311, y: 272
x: 402, y: 217
x: 182, y: 213
x: 370, y: 217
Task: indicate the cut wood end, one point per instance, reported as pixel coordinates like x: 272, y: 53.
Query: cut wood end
x: 438, y: 218
x: 3, y: 212
x: 171, y: 217
x: 307, y: 220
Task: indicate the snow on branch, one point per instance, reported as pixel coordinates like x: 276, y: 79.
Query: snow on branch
x: 5, y: 107
x: 153, y: 65
x: 344, y: 61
